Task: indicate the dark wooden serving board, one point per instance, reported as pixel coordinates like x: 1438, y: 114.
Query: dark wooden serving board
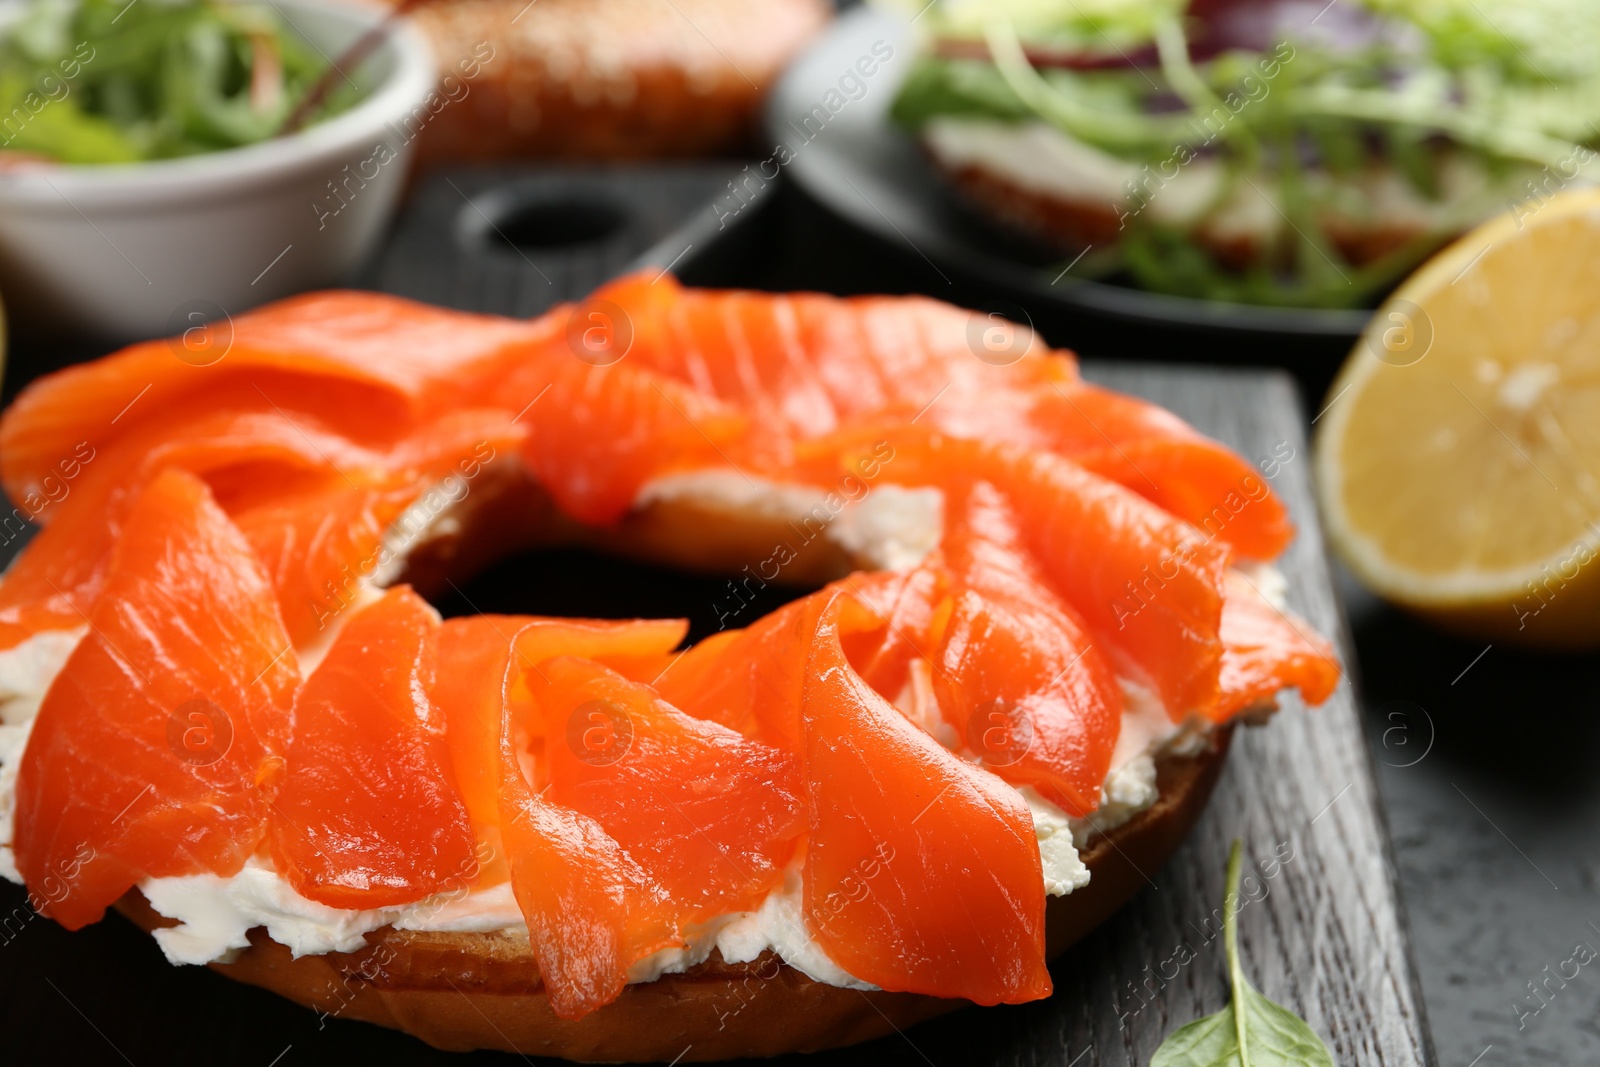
x: 1326, y: 937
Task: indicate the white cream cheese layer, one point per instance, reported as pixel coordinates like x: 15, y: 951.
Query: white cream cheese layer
x: 1148, y: 733
x: 892, y: 526
x: 883, y: 527
x: 216, y: 914
x: 26, y: 672
x: 432, y: 515
x: 1043, y: 159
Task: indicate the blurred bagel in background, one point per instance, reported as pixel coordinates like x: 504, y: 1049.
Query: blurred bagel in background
x: 604, y: 79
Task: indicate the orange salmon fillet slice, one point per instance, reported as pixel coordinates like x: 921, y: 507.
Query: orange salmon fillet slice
x: 155, y: 751
x: 367, y: 814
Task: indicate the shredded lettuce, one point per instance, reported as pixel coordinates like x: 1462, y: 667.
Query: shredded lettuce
x: 1525, y: 40
x: 1093, y: 27
x: 106, y: 81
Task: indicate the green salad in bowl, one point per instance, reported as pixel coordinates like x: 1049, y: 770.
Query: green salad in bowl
x: 1302, y: 153
x: 167, y: 162
x: 109, y: 81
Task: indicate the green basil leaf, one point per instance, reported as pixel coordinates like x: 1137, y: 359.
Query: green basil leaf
x: 1271, y: 1035
x: 1209, y: 1042
x: 1277, y: 1035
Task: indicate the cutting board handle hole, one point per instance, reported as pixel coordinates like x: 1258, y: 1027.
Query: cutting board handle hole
x: 521, y: 223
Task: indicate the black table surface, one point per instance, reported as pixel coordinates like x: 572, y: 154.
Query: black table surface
x: 1485, y: 755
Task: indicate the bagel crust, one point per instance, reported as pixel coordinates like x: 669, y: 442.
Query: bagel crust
x: 462, y: 991
x: 604, y: 79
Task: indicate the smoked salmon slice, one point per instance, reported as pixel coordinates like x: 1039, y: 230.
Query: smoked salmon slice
x: 808, y: 364
x: 324, y: 535
x: 472, y: 694
x: 751, y: 680
x: 314, y: 505
x: 804, y: 365
x: 155, y: 750
x: 251, y: 458
x: 367, y: 813
x: 56, y: 580
x: 601, y: 433
x: 1016, y: 673
x: 914, y: 607
x: 365, y: 362
x: 625, y: 646
x: 592, y: 910
x: 1159, y: 456
x: 1266, y: 650
x: 747, y: 680
x: 922, y: 872
x: 54, y: 583
x: 320, y: 542
x: 1147, y: 584
x: 712, y: 816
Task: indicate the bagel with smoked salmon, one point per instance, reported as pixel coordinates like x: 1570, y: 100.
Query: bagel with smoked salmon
x: 1028, y: 612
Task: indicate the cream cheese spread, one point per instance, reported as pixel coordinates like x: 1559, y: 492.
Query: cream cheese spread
x: 1043, y: 159
x: 26, y: 672
x: 884, y: 527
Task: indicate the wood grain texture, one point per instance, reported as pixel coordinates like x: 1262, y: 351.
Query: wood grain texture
x: 1328, y: 938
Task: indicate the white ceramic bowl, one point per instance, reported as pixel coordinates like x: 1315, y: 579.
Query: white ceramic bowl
x: 128, y: 251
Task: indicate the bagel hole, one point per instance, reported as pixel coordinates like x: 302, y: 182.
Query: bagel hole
x: 579, y: 583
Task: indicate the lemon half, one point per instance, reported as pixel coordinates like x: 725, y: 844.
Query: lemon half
x: 1458, y: 455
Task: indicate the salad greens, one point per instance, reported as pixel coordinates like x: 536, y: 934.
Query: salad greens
x: 1085, y: 26
x: 1250, y: 1032
x: 1504, y: 91
x: 109, y: 81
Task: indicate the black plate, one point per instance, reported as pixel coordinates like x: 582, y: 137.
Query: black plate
x: 867, y: 171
